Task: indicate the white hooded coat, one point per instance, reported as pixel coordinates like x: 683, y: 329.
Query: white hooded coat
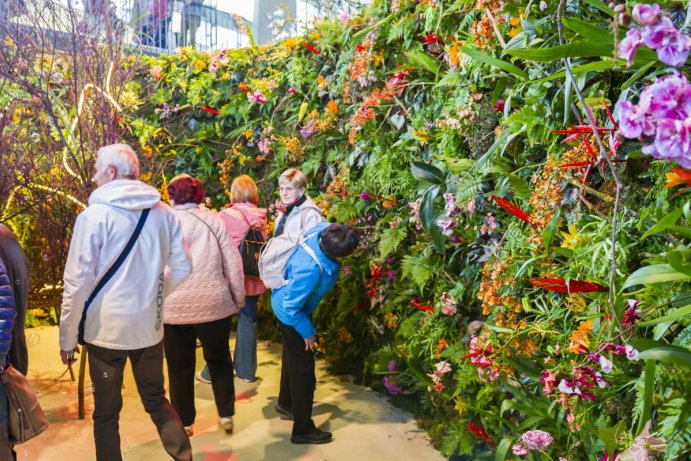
x: 128, y: 311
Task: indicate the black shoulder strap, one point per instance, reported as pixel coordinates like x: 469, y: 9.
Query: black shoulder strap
x: 111, y: 271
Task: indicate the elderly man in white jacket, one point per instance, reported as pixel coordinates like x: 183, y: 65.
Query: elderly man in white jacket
x: 125, y: 318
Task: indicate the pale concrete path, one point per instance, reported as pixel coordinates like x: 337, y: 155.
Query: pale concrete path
x: 364, y: 424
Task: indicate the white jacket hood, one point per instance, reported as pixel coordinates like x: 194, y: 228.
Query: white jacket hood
x: 128, y: 194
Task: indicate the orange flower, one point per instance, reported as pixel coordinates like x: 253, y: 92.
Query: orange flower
x: 332, y: 106
x: 243, y: 87
x: 579, y: 341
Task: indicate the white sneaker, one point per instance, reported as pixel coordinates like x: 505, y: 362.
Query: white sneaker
x: 188, y: 431
x: 200, y: 377
x: 226, y: 424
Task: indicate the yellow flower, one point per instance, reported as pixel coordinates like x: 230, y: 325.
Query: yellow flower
x: 8, y: 41
x: 248, y: 133
x: 575, y: 303
x: 199, y: 65
x: 460, y: 406
x: 572, y: 239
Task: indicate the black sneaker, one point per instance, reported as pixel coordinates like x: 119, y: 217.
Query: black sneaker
x: 285, y: 414
x: 316, y: 437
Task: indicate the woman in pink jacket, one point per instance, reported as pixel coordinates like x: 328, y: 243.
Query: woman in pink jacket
x: 241, y: 215
x: 202, y: 306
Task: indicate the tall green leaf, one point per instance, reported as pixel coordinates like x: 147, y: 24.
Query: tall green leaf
x: 657, y: 273
x: 664, y: 223
x: 498, y: 63
x: 581, y: 49
x: 427, y: 172
x: 422, y: 61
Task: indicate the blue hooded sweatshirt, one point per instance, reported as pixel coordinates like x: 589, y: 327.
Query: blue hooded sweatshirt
x: 295, y: 302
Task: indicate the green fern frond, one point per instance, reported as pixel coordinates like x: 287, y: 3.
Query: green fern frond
x: 390, y: 239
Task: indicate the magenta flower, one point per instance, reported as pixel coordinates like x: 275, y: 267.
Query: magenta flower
x: 646, y: 15
x: 631, y: 120
x: 537, y: 440
x: 392, y: 366
x: 256, y: 96
x: 365, y: 196
x: 671, y: 45
x: 446, y: 226
x: 392, y: 386
x: 627, y: 47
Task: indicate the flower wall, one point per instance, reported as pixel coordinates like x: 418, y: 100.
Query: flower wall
x: 517, y: 171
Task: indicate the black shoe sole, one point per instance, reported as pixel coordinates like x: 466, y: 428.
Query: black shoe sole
x: 305, y: 441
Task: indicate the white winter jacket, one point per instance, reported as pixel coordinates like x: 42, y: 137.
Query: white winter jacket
x: 216, y: 287
x: 302, y: 218
x: 128, y: 312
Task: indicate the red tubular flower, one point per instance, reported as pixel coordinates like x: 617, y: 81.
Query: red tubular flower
x: 421, y: 306
x: 311, y: 48
x: 511, y: 208
x: 209, y: 110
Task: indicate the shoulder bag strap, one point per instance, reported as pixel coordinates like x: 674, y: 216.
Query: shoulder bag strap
x: 218, y: 243
x: 111, y: 271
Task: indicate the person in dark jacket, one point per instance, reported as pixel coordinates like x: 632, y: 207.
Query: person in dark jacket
x: 17, y: 266
x: 312, y: 271
x: 6, y: 324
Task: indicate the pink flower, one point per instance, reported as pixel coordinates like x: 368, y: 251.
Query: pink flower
x: 631, y: 120
x: 446, y: 226
x: 627, y: 47
x: 256, y: 96
x: 643, y: 446
x: 537, y: 440
x: 671, y: 45
x: 646, y: 15
x: 519, y: 449
x: 448, y: 304
x: 548, y: 379
x: 291, y: 90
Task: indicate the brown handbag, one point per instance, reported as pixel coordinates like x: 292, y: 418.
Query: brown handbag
x: 26, y: 417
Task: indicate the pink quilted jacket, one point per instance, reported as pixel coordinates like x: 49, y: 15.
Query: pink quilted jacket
x: 238, y: 218
x: 216, y: 288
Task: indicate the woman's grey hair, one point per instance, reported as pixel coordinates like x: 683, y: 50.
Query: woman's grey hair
x: 121, y: 157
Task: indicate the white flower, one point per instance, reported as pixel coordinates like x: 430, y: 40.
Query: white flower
x: 631, y: 353
x: 605, y: 363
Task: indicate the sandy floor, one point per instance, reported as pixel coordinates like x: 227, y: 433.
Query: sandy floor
x: 364, y: 425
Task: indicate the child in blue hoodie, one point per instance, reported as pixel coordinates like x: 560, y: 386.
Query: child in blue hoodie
x: 310, y: 278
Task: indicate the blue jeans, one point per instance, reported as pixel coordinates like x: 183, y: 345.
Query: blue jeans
x: 246, y: 342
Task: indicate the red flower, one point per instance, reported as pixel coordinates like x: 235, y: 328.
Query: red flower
x: 431, y: 39
x: 310, y: 47
x: 511, y: 208
x: 499, y: 105
x: 562, y: 286
x: 209, y: 110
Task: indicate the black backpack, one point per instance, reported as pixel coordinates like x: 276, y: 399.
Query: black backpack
x: 250, y: 248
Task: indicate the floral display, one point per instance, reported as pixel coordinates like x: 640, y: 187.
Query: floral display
x: 524, y: 275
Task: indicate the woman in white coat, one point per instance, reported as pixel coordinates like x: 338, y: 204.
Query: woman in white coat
x: 201, y: 307
x: 298, y: 212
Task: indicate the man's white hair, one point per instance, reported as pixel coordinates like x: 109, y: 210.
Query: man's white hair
x: 121, y: 157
